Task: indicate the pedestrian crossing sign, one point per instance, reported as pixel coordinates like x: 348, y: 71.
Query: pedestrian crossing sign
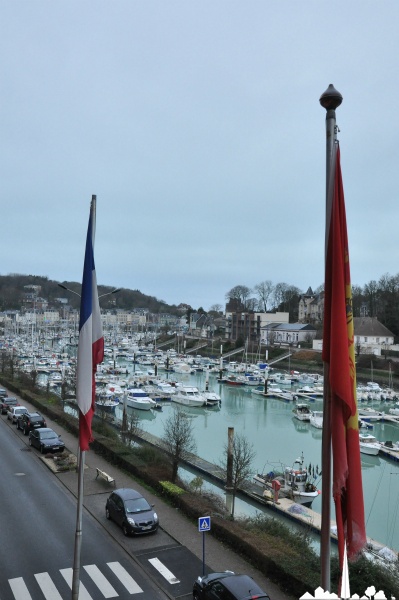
x: 204, y: 524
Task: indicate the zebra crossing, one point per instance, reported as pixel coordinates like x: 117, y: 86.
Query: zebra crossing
x: 120, y: 576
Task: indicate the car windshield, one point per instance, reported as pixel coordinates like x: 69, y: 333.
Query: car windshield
x: 137, y: 505
x: 48, y: 435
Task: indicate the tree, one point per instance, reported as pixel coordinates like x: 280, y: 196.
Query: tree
x: 216, y: 310
x: 240, y: 293
x: 243, y: 454
x: 178, y: 438
x: 370, y: 294
x: 264, y: 290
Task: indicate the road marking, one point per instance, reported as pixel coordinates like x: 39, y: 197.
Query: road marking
x: 83, y: 593
x: 47, y: 586
x: 164, y: 571
x: 101, y: 581
x: 19, y: 589
x: 124, y: 577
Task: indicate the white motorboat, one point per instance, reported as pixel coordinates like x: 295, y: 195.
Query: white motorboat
x: 166, y: 389
x: 369, y: 444
x: 316, y: 419
x: 189, y: 396
x: 294, y: 483
x: 137, y: 398
x: 394, y: 410
x: 182, y: 368
x: 211, y: 398
x: 370, y: 415
x: 107, y: 402
x: 302, y: 412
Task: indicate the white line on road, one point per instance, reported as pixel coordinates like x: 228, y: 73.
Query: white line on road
x: 124, y: 577
x: 164, y: 571
x: 101, y: 581
x: 47, y: 586
x: 19, y: 589
x: 83, y: 593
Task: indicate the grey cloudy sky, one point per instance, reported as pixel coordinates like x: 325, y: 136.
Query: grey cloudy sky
x: 198, y: 126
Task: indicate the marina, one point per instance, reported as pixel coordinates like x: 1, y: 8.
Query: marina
x: 269, y: 424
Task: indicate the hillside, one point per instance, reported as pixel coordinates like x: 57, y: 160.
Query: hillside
x: 13, y: 294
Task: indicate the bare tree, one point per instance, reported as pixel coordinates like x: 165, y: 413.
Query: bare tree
x: 243, y: 454
x: 178, y: 438
x: 264, y: 290
x: 240, y: 293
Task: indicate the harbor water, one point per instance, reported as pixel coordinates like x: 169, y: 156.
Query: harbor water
x: 278, y: 439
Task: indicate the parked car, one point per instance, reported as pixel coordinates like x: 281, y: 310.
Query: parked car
x: 131, y: 511
x: 227, y: 585
x: 3, y: 393
x: 14, y: 412
x: 6, y: 403
x: 29, y: 421
x: 46, y: 440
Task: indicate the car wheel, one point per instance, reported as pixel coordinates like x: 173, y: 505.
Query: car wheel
x: 30, y: 441
x: 125, y: 530
x: 107, y: 514
x: 25, y: 431
x: 42, y: 449
x: 195, y: 596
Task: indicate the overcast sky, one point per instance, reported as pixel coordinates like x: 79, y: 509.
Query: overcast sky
x: 198, y: 126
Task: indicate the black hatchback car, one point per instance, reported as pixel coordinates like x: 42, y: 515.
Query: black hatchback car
x: 29, y: 421
x: 46, y: 440
x: 131, y: 511
x: 227, y: 586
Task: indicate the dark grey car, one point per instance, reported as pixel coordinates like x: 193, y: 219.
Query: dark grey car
x: 227, y: 586
x: 131, y: 511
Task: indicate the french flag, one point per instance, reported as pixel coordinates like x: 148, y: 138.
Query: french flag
x: 91, y: 340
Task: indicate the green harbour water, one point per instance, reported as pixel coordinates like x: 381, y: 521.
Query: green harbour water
x: 278, y: 439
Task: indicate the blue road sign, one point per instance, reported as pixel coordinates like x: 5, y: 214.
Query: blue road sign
x: 204, y: 524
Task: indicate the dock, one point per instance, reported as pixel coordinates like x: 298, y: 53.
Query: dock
x: 284, y: 507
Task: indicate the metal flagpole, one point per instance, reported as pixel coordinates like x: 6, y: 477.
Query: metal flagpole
x: 82, y: 454
x: 330, y: 100
x: 78, y: 531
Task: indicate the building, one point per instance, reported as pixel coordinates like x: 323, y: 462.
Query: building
x: 250, y: 325
x: 311, y: 307
x: 288, y: 334
x: 371, y: 337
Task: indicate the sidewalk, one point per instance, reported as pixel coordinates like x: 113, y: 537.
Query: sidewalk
x: 218, y: 556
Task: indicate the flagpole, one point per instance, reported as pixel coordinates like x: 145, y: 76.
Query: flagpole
x: 330, y: 100
x: 82, y: 456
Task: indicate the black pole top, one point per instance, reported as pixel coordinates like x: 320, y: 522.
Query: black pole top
x: 331, y: 98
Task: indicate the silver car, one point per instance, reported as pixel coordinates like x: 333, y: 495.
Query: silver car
x: 14, y: 412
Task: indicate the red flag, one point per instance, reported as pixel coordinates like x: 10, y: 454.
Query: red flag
x: 339, y: 353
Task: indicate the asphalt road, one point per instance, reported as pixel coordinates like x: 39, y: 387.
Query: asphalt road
x: 38, y: 522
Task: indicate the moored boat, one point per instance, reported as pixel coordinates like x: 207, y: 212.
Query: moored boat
x: 188, y: 396
x: 316, y: 419
x: 302, y: 412
x: 369, y: 444
x: 137, y: 398
x: 294, y: 483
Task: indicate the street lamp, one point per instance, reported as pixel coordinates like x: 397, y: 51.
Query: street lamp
x: 64, y: 287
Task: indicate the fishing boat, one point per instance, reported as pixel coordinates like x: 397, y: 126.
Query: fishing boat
x: 294, y: 483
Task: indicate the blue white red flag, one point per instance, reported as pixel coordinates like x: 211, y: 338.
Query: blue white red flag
x: 91, y: 342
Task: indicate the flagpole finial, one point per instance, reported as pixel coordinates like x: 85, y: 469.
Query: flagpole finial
x: 331, y: 98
